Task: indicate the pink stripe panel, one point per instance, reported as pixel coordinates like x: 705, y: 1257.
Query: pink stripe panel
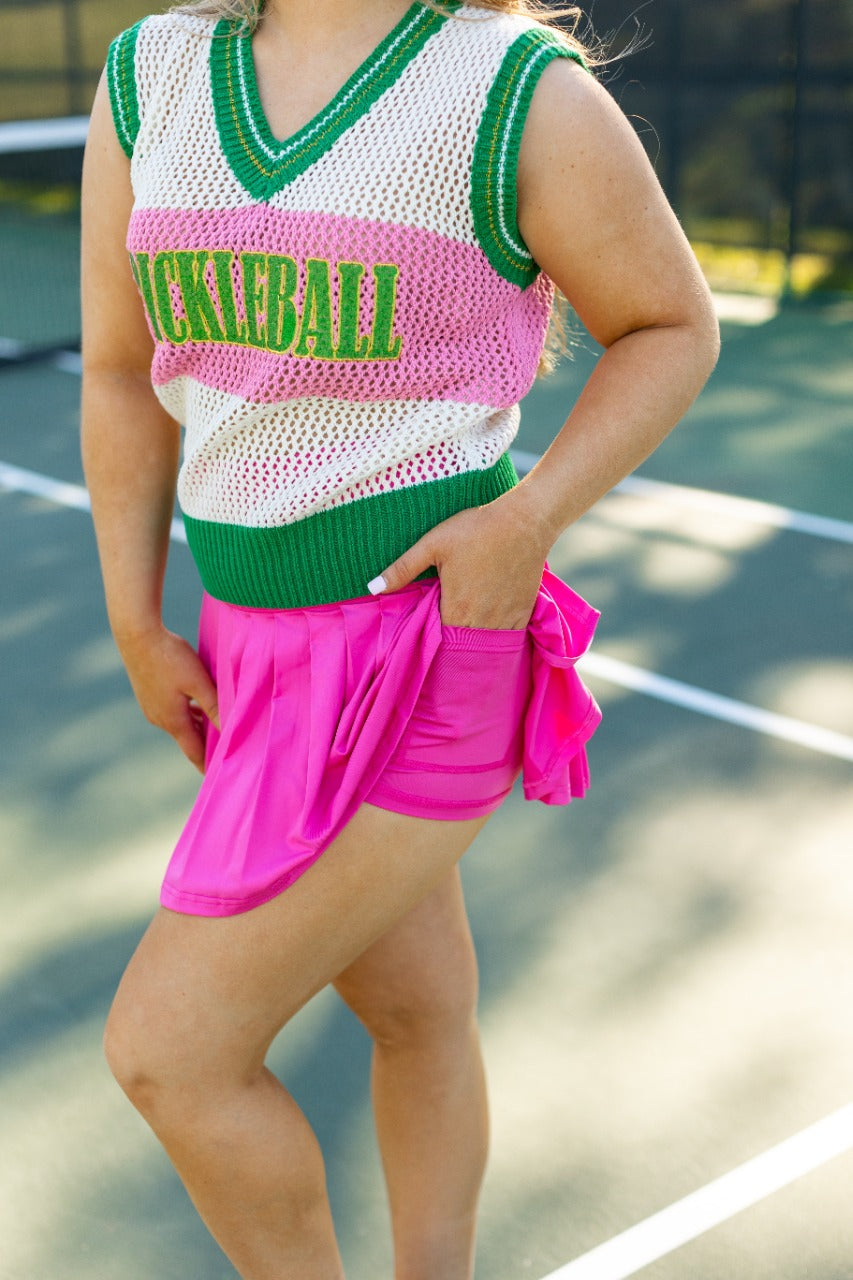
x: 467, y: 335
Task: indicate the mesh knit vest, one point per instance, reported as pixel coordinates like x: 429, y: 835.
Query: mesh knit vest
x: 344, y: 321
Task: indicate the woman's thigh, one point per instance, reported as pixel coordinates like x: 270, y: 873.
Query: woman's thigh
x: 419, y: 980
x: 203, y: 996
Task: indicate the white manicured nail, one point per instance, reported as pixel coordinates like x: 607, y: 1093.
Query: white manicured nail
x: 377, y: 585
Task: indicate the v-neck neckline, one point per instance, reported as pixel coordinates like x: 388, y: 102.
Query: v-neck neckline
x: 262, y: 163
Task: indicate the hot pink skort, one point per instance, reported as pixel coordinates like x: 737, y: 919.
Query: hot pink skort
x: 372, y: 700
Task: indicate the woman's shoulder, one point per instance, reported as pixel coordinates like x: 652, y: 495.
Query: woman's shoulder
x: 141, y: 53
x: 161, y: 46
x: 166, y: 29
x: 497, y: 27
x: 509, y: 49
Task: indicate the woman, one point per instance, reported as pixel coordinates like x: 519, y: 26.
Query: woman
x: 343, y: 222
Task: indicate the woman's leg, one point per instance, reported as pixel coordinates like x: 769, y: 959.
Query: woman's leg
x: 203, y: 998
x: 416, y: 992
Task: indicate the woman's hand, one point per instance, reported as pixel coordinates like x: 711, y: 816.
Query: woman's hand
x: 172, y: 687
x: 489, y: 560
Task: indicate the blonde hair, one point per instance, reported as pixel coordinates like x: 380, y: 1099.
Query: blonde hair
x: 250, y: 13
x: 563, y: 20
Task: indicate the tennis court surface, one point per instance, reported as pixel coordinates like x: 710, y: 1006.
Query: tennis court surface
x: 666, y: 965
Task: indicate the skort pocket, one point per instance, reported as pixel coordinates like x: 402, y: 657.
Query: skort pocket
x: 470, y: 711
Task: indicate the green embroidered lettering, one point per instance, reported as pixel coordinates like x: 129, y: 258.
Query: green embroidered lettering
x: 198, y: 304
x: 283, y: 316
x: 352, y: 344
x: 176, y: 329
x: 255, y: 297
x: 315, y: 330
x: 191, y: 295
x: 140, y: 265
x: 222, y: 262
x: 384, y: 346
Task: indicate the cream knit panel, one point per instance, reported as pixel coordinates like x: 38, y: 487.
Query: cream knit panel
x: 268, y: 465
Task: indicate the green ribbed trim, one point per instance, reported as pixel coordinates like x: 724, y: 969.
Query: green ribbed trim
x: 121, y: 82
x: 262, y: 163
x: 334, y: 554
x: 495, y: 162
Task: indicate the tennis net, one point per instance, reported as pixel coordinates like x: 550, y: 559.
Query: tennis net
x: 40, y: 168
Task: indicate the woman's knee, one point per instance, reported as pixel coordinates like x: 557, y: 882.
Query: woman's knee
x: 163, y: 1063
x: 172, y: 1034
x: 424, y: 1025
x: 138, y: 1060
x: 438, y: 1008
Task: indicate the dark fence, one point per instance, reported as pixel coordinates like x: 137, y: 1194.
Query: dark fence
x: 746, y: 106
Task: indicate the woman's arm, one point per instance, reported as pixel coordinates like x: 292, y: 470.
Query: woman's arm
x: 596, y: 220
x: 130, y: 452
x: 593, y: 215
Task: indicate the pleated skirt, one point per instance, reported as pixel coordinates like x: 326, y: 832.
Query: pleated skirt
x: 372, y: 700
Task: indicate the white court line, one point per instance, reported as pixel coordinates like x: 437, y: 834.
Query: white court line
x: 68, y: 362
x: 718, y: 707
x: 724, y: 504
x: 768, y: 513
x: 629, y: 1252
x: 43, y: 135
x: 19, y: 480
x: 663, y: 688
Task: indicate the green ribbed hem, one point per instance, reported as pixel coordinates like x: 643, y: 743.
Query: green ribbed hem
x: 332, y: 555
x: 121, y: 82
x: 495, y: 165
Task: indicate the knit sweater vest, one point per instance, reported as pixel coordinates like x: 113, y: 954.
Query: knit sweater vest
x: 344, y: 321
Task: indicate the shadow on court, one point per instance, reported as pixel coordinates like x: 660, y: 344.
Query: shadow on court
x: 666, y: 971
x: 773, y: 422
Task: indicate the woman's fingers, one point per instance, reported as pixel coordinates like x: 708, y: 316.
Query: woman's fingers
x: 200, y: 708
x: 173, y: 688
x: 419, y: 557
x: 191, y: 739
x: 489, y: 562
x: 202, y: 694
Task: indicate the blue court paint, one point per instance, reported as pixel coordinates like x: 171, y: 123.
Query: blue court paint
x: 629, y: 1252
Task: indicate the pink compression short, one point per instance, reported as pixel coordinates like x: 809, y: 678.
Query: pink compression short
x: 372, y: 700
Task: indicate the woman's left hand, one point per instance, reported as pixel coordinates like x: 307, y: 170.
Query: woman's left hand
x: 489, y: 561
